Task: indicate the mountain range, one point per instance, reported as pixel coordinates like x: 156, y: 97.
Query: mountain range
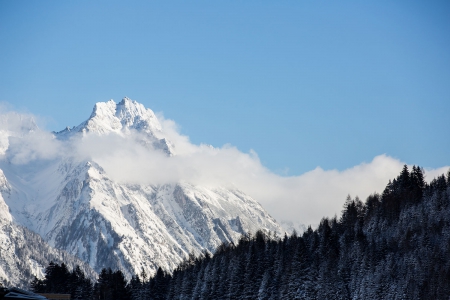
x: 55, y: 188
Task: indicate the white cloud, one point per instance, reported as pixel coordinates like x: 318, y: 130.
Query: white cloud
x: 37, y: 145
x: 310, y: 196
x: 305, y: 198
x: 21, y: 141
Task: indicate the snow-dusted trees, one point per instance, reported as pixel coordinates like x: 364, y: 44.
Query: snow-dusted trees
x: 58, y: 279
x: 393, y: 246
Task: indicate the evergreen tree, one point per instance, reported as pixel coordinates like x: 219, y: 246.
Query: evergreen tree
x: 135, y: 288
x: 158, y: 285
x: 111, y: 286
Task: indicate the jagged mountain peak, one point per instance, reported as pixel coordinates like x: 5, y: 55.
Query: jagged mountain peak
x: 115, y: 117
x: 133, y: 114
x: 109, y: 116
x: 122, y: 118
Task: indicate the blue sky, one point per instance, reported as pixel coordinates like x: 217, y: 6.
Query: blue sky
x: 303, y: 83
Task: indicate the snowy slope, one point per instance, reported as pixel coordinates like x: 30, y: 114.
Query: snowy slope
x: 76, y: 206
x: 24, y: 254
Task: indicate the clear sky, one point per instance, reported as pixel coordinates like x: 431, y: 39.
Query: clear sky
x: 303, y: 83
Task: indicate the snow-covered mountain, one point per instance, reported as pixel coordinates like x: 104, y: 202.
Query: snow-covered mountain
x: 123, y: 118
x: 23, y: 253
x: 75, y: 205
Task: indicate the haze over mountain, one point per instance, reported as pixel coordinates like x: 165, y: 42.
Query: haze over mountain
x: 303, y: 199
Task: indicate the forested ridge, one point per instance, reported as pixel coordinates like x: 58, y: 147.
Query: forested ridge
x: 395, y: 245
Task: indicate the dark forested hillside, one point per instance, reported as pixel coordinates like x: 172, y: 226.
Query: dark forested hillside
x: 393, y: 246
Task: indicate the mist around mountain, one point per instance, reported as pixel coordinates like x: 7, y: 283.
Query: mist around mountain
x: 394, y: 245
x: 140, y: 147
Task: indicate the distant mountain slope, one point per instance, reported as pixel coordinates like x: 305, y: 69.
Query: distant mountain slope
x: 75, y: 205
x: 24, y: 254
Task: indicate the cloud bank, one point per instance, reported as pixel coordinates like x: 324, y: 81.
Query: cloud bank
x: 303, y: 199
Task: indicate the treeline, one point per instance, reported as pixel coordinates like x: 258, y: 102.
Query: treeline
x: 58, y: 279
x: 392, y: 246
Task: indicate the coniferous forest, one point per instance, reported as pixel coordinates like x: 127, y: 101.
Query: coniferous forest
x: 395, y: 245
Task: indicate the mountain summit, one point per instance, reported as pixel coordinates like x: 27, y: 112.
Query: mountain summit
x: 122, y: 118
x: 118, y: 117
x: 75, y: 205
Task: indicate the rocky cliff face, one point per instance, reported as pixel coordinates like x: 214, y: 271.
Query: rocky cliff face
x: 74, y: 205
